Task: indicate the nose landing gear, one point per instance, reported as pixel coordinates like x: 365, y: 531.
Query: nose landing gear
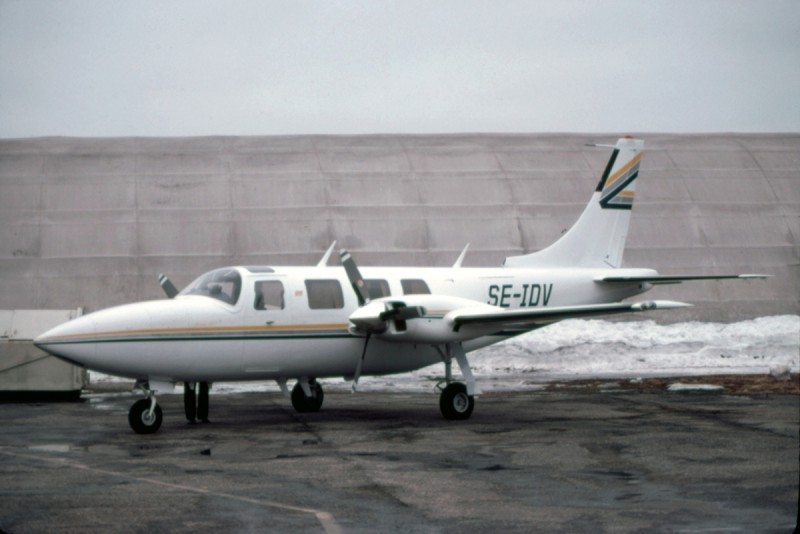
x: 145, y: 415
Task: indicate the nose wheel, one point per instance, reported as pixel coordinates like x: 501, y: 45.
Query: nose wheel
x: 145, y: 416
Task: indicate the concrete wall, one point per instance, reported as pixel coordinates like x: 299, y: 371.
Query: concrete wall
x: 91, y: 222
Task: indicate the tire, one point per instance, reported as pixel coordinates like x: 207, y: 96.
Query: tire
x: 140, y: 422
x: 454, y: 402
x: 303, y: 404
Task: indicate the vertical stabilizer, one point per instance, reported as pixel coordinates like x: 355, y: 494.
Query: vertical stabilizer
x: 597, y: 239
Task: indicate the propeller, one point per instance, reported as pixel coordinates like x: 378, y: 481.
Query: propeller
x: 375, y: 318
x: 360, y: 288
x: 168, y: 287
x: 400, y: 312
x: 360, y: 363
x: 356, y: 280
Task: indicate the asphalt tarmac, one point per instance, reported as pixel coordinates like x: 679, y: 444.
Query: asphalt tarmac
x: 563, y: 461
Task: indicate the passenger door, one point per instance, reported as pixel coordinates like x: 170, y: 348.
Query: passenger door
x: 269, y: 316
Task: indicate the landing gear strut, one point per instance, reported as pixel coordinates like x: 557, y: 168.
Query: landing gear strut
x: 307, y: 395
x: 457, y: 400
x: 145, y: 415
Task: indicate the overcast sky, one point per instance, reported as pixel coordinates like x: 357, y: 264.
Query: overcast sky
x: 188, y: 67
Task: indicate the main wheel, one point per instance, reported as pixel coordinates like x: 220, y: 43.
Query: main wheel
x: 140, y: 419
x: 455, y: 403
x: 303, y: 404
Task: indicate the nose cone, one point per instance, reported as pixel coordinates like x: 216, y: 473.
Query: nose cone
x: 69, y: 341
x: 77, y: 341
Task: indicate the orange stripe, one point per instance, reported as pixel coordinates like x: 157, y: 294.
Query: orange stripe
x: 205, y: 329
x: 622, y: 171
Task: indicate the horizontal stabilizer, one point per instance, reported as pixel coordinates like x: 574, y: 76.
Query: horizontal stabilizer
x: 529, y: 319
x: 676, y: 279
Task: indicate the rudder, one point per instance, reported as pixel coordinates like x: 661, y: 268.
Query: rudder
x: 597, y: 239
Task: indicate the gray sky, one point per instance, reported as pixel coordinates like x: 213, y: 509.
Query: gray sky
x: 188, y: 67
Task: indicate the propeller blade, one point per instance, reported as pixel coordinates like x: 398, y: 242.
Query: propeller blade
x: 399, y: 310
x: 411, y: 312
x: 356, y: 280
x: 168, y: 287
x: 360, y: 363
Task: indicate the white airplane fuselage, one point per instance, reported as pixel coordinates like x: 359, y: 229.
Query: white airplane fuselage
x: 202, y: 338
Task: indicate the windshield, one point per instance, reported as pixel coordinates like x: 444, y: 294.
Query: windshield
x: 222, y: 284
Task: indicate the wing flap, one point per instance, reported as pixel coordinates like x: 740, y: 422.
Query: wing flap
x: 676, y: 279
x: 523, y: 318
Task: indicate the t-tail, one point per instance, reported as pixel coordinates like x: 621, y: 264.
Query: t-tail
x: 597, y: 239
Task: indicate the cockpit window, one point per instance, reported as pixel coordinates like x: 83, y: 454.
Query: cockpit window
x: 222, y: 284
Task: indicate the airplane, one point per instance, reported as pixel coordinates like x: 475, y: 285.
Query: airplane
x: 246, y: 323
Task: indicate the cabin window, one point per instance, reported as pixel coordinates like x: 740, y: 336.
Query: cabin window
x: 324, y: 294
x: 222, y: 284
x: 415, y: 287
x: 269, y: 295
x: 377, y: 288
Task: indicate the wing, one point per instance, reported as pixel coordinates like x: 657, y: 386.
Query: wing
x: 675, y: 279
x: 528, y: 319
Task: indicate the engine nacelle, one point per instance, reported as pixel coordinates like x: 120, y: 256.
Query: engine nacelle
x: 417, y: 319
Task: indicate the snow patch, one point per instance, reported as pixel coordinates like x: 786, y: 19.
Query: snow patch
x: 678, y: 386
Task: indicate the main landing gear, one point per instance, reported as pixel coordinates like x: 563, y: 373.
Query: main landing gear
x: 457, y: 400
x: 455, y: 403
x: 307, y: 395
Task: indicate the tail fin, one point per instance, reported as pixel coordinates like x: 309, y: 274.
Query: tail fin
x: 598, y: 237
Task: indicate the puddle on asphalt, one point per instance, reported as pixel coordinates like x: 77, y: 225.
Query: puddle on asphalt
x: 101, y: 401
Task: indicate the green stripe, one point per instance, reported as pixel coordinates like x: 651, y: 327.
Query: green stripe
x: 198, y: 338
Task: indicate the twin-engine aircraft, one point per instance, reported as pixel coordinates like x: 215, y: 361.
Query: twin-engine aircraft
x: 307, y: 323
